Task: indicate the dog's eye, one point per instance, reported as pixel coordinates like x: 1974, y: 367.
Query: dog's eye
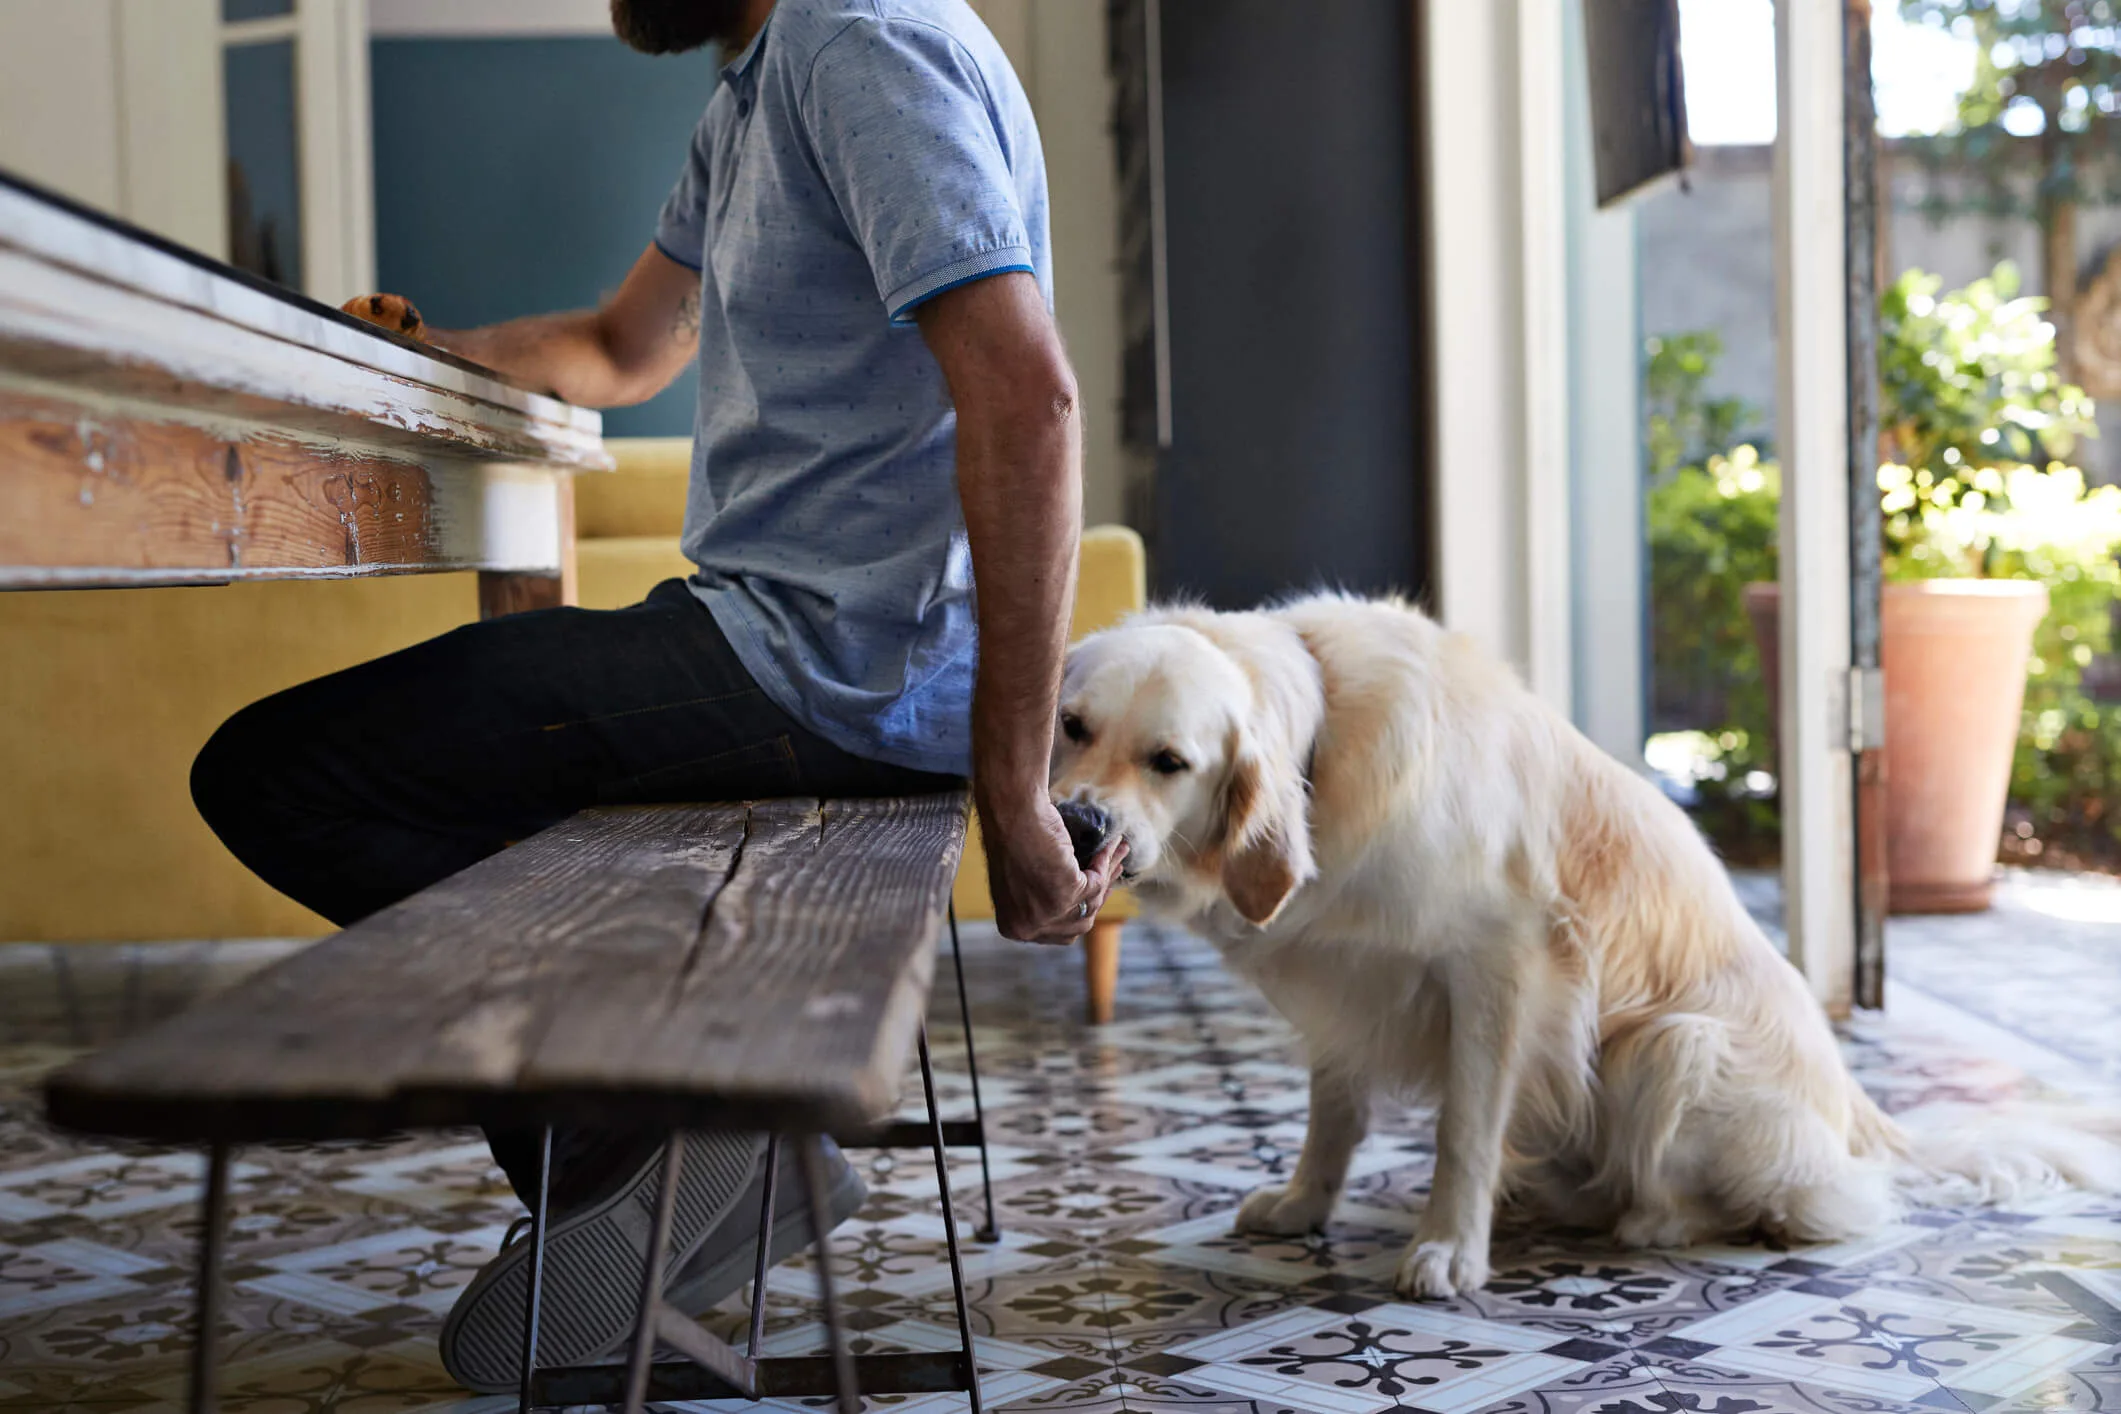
x: 1072, y: 728
x: 1167, y: 762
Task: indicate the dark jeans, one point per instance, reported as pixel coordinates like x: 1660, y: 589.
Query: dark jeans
x: 359, y: 789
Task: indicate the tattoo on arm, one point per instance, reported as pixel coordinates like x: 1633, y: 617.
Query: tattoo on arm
x: 685, y: 320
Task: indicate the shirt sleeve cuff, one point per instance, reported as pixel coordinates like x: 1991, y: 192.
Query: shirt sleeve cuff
x: 670, y: 245
x: 914, y: 293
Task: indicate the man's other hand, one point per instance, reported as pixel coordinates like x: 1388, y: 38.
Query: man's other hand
x: 1040, y: 895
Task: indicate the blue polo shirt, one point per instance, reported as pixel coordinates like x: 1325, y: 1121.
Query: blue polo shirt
x: 862, y: 156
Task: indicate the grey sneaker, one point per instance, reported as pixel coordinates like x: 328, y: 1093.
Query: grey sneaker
x: 593, y: 1258
x: 727, y: 1259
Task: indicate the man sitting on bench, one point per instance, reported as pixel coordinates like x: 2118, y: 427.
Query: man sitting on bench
x: 863, y: 166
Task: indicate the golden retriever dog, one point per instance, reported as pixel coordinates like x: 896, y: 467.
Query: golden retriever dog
x: 1455, y: 898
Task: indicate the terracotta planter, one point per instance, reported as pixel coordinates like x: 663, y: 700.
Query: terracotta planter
x: 1955, y: 652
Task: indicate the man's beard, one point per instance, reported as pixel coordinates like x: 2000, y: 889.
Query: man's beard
x: 674, y: 26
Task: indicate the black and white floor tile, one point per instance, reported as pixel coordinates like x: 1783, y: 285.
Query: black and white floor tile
x: 1117, y: 1284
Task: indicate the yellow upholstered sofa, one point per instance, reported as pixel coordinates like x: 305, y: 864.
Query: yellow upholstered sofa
x: 107, y: 694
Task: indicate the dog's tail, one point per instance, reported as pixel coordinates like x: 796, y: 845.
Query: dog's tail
x: 1952, y: 1154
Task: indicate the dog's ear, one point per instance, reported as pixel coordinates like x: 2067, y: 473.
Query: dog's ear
x: 1266, y: 833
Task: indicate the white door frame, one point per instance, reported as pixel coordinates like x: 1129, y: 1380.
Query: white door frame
x: 1811, y: 294
x: 1496, y: 236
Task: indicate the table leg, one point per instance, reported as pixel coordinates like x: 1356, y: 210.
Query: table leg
x: 957, y: 1260
x: 203, y: 1397
x: 514, y: 591
x: 537, y: 1269
x: 1101, y: 968
x: 765, y: 1259
x: 666, y: 1199
x: 813, y: 1155
x: 992, y: 1232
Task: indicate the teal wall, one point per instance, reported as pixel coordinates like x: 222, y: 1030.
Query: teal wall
x: 519, y: 176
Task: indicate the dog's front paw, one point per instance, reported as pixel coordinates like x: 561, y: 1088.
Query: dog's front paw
x: 1440, y: 1270
x: 1285, y: 1212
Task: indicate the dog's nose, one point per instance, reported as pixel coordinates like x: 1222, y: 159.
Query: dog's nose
x: 1088, y: 827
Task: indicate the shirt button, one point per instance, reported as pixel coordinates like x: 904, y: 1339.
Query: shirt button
x: 743, y: 107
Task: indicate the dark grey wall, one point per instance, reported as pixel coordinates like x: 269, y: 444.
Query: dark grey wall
x: 516, y: 176
x: 1294, y: 460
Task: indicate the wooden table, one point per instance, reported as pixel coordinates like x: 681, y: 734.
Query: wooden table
x: 166, y: 419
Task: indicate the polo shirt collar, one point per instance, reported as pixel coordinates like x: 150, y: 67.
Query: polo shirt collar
x: 737, y: 67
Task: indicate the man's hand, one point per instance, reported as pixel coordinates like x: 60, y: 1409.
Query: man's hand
x: 1019, y: 475
x: 1040, y: 896
x: 624, y: 352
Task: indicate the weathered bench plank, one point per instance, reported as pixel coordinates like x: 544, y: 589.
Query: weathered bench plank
x: 660, y: 966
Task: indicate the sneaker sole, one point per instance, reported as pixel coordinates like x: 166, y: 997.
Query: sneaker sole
x: 593, y: 1267
x: 699, y: 1292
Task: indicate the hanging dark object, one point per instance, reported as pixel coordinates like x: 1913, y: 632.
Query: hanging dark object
x: 1638, y: 94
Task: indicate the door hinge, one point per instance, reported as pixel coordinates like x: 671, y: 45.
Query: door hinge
x: 1866, y: 703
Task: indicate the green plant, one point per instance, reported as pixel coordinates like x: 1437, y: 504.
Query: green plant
x: 1968, y: 380
x: 1711, y: 533
x: 1973, y: 411
x: 1683, y: 425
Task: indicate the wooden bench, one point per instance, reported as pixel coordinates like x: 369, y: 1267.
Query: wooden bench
x: 761, y: 967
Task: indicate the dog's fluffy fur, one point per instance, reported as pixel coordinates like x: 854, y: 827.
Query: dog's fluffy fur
x: 1453, y: 896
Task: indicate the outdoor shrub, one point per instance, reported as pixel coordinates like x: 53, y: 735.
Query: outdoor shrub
x: 1684, y: 425
x: 1711, y: 533
x: 1972, y: 410
x: 1968, y: 380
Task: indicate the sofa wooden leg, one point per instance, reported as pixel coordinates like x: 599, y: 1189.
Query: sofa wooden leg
x: 1101, y: 968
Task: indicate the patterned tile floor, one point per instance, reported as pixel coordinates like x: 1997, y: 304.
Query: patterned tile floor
x: 1120, y: 1154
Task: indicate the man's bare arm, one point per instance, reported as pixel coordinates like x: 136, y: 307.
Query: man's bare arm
x: 1019, y: 473
x: 625, y: 352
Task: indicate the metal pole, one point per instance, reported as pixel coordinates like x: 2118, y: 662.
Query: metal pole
x: 992, y: 1232
x: 850, y: 1395
x: 957, y: 1260
x: 1864, y: 204
x: 537, y: 1269
x: 203, y: 1397
x: 652, y: 1275
x: 1159, y: 220
x: 758, y: 1275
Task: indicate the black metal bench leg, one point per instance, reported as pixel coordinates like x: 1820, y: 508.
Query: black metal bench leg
x: 765, y: 1258
x: 850, y: 1395
x: 957, y: 1260
x: 537, y: 1270
x: 652, y: 1274
x: 992, y: 1232
x: 204, y: 1398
